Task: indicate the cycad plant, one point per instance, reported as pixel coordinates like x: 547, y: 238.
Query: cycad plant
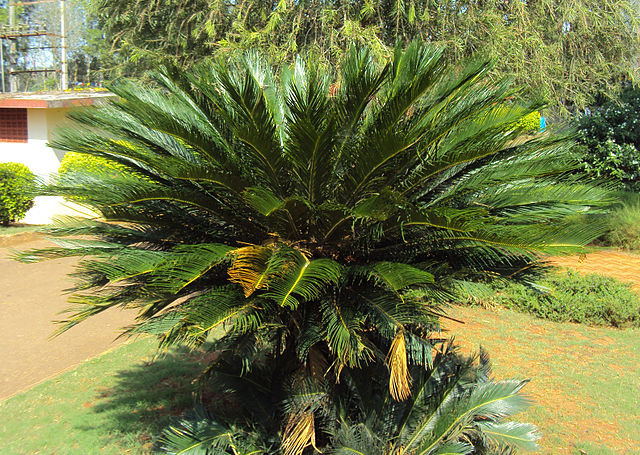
x: 455, y: 408
x: 312, y: 223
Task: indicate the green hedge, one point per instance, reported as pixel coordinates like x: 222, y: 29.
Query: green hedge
x: 571, y: 297
x: 79, y: 162
x: 16, y: 191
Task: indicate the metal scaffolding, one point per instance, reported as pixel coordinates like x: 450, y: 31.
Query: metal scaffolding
x: 14, y: 31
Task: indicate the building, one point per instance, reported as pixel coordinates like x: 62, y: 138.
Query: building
x: 27, y: 121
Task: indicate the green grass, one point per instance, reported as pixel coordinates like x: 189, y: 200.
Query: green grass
x: 18, y: 228
x: 585, y: 382
x: 112, y: 404
x: 624, y: 229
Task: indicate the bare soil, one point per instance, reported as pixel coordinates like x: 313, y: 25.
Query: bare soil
x: 622, y: 265
x: 31, y: 298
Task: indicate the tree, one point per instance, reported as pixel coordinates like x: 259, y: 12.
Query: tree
x: 144, y: 33
x: 313, y: 224
x: 85, y: 43
x: 564, y: 52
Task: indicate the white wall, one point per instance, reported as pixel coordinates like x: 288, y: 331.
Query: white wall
x: 42, y: 160
x: 35, y: 154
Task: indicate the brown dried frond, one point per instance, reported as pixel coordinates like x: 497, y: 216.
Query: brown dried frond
x: 249, y: 267
x: 299, y: 434
x: 399, y: 378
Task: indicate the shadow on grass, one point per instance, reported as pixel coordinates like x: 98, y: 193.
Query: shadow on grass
x: 148, y: 398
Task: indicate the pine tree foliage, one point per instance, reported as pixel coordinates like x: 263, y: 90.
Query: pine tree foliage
x: 566, y: 52
x: 312, y: 222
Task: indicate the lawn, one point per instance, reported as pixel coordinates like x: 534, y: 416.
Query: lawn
x: 18, y: 228
x: 112, y: 404
x: 585, y: 381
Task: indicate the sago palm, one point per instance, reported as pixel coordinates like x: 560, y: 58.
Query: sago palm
x: 311, y: 221
x: 455, y: 408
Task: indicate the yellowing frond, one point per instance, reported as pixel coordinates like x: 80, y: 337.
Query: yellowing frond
x: 299, y: 434
x: 249, y: 267
x: 399, y: 378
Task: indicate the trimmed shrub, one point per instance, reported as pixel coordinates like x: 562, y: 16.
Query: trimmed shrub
x: 16, y: 185
x: 529, y: 123
x: 79, y: 162
x: 571, y: 297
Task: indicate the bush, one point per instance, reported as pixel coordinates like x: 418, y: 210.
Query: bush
x: 16, y: 184
x: 79, y: 162
x: 610, y: 140
x: 74, y: 164
x: 625, y: 227
x: 612, y: 161
x: 530, y: 122
x: 571, y: 297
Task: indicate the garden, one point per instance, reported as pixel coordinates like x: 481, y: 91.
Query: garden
x: 381, y: 252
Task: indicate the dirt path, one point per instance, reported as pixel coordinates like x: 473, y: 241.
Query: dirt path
x: 617, y: 264
x: 30, y: 299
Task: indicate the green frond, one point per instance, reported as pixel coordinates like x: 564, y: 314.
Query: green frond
x: 200, y: 434
x: 311, y: 129
x: 343, y: 334
x: 395, y: 276
x: 212, y: 312
x: 185, y: 265
x: 490, y: 400
x: 304, y: 282
x: 241, y: 101
x: 454, y: 448
x: 126, y: 263
x: 68, y: 248
x: 262, y: 200
x: 520, y: 435
x: 356, y: 440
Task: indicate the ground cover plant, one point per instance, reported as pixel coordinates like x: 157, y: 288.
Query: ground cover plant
x: 18, y: 228
x: 570, y: 296
x: 311, y: 225
x: 624, y: 225
x: 16, y: 186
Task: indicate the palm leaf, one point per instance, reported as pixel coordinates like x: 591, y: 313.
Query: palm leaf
x: 304, y: 281
x: 514, y: 434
